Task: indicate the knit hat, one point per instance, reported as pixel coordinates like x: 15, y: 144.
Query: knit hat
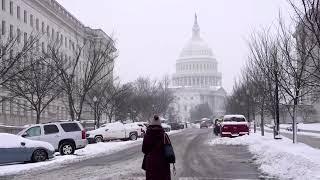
x: 155, y: 120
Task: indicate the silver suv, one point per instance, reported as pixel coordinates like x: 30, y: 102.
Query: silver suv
x: 65, y: 136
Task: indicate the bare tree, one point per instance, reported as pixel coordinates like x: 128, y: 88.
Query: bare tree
x: 90, y: 64
x: 264, y: 51
x: 295, y: 80
x: 12, y: 55
x: 308, y: 33
x: 37, y: 84
x: 107, y: 96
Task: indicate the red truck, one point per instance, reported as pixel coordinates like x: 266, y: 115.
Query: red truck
x: 234, y: 125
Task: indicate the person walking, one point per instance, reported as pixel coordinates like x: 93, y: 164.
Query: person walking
x: 154, y: 162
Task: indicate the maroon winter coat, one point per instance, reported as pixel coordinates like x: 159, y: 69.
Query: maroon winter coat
x: 155, y: 164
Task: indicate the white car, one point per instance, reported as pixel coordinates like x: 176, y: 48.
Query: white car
x: 15, y: 148
x: 113, y: 131
x: 65, y: 136
x: 141, y: 127
x: 166, y: 127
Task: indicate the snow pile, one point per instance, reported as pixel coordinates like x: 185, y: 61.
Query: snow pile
x: 14, y: 141
x: 279, y: 158
x: 317, y: 135
x: 302, y: 126
x: 195, y: 125
x: 90, y: 151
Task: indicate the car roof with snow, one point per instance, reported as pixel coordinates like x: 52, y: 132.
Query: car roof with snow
x: 13, y: 141
x: 233, y: 116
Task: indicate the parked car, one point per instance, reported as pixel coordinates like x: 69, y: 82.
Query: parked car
x: 203, y: 124
x: 234, y: 125
x: 181, y: 125
x: 64, y: 136
x: 15, y: 148
x: 113, y: 131
x: 174, y: 125
x: 166, y: 127
x: 143, y: 128
x: 290, y: 129
x: 139, y: 127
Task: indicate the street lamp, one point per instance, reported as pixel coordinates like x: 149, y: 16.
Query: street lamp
x: 95, y: 99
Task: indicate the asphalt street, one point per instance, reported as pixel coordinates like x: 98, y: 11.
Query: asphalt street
x: 196, y: 159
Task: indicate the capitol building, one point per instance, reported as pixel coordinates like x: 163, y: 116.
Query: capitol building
x: 197, y: 79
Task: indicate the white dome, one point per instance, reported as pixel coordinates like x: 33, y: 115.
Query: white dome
x: 196, y: 47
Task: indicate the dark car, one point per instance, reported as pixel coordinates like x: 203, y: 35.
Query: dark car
x: 15, y: 148
x: 204, y: 124
x: 174, y: 125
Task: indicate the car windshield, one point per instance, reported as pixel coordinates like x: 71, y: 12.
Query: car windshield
x: 234, y: 119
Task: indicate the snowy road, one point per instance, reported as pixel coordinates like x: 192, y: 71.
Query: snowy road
x: 313, y: 141
x: 195, y: 160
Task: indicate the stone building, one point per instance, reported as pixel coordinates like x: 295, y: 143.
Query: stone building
x: 48, y: 18
x: 197, y: 79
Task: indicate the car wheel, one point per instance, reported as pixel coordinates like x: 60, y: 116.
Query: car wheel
x: 133, y: 137
x: 39, y: 155
x: 66, y: 148
x: 98, y: 139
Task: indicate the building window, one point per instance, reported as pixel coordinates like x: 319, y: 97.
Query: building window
x: 31, y: 20
x: 3, y: 5
x: 25, y: 38
x: 42, y: 27
x: 52, y: 33
x: 11, y: 8
x: 25, y: 16
x: 57, y: 37
x: 18, y: 12
x: 11, y: 31
x: 42, y: 47
x: 18, y: 35
x: 3, y: 31
x: 48, y: 31
x: 37, y: 24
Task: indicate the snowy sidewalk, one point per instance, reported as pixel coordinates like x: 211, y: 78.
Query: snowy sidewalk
x: 90, y: 151
x: 279, y: 158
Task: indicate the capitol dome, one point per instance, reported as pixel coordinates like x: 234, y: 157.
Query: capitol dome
x: 196, y: 47
x: 196, y: 65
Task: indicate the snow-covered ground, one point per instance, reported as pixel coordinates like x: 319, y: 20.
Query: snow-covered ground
x: 299, y: 132
x: 311, y: 126
x: 90, y: 151
x: 279, y: 158
x: 195, y: 125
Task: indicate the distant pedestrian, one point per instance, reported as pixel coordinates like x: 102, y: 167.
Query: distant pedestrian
x: 155, y: 164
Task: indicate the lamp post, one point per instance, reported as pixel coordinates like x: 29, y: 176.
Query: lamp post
x: 95, y: 99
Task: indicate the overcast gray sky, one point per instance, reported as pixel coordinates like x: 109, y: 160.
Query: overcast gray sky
x: 151, y: 33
